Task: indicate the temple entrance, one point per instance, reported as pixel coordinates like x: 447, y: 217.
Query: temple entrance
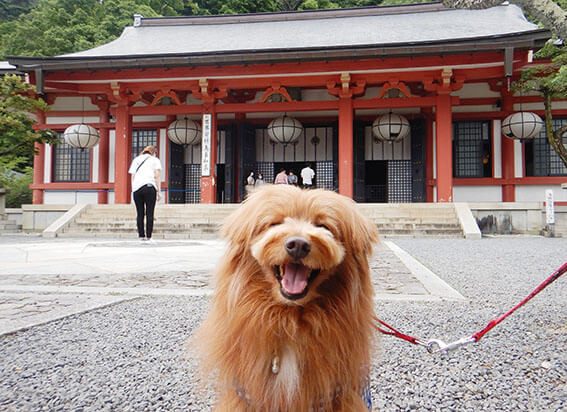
x: 376, y: 172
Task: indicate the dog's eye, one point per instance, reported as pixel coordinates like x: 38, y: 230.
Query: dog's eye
x: 323, y: 226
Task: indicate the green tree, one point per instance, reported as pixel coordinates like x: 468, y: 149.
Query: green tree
x: 12, y: 9
x: 57, y: 27
x: 17, y: 137
x: 549, y: 78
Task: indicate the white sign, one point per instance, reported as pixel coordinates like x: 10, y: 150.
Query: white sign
x: 549, y: 207
x: 206, y: 146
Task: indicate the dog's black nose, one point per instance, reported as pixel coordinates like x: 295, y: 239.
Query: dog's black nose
x: 298, y: 247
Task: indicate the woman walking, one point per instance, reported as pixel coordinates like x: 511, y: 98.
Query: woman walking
x: 146, y: 179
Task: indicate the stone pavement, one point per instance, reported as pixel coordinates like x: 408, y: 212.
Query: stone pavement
x: 42, y: 280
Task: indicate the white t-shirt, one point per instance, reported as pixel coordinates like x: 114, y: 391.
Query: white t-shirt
x: 307, y: 175
x: 146, y: 173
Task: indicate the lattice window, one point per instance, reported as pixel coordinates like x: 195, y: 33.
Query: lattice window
x: 324, y: 175
x: 69, y: 163
x: 267, y: 170
x: 192, y: 183
x: 399, y: 181
x: 141, y: 139
x: 540, y: 158
x: 471, y: 149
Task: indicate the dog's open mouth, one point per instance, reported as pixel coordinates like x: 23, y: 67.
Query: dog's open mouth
x: 294, y: 279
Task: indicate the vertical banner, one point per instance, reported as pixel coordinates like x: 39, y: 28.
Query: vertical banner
x: 206, y: 146
x: 549, y: 207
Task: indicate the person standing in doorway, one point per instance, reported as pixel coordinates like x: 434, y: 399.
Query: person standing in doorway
x: 146, y: 187
x: 250, y: 182
x: 292, y: 178
x: 307, y: 175
x: 260, y: 180
x: 281, y: 178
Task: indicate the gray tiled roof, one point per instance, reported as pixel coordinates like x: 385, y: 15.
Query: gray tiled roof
x: 298, y: 31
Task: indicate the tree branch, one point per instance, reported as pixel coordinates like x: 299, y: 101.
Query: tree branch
x: 548, y: 12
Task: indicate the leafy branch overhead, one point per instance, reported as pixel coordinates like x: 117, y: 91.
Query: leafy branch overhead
x: 17, y: 101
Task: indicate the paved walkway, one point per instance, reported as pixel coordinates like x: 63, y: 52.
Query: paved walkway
x: 46, y: 279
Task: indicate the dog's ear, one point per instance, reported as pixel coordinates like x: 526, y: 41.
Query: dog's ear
x: 359, y: 231
x: 239, y: 225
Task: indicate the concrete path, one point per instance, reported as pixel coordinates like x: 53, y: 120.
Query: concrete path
x: 42, y: 280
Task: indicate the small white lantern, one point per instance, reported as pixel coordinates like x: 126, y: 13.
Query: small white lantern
x: 284, y: 130
x: 391, y: 127
x: 522, y: 125
x: 184, y: 132
x: 81, y: 136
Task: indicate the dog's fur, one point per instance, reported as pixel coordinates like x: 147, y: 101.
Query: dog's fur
x: 320, y: 338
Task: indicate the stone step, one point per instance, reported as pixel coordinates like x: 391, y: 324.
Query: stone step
x: 203, y: 221
x: 8, y: 225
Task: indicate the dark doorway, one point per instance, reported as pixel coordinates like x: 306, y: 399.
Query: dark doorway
x: 176, y: 183
x: 376, y: 174
x: 221, y: 198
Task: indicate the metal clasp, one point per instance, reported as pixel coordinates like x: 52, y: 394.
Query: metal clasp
x: 437, y: 345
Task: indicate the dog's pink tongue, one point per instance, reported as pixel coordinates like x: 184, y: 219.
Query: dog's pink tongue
x: 294, y: 279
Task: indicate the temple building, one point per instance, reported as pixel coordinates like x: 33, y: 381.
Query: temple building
x: 387, y: 104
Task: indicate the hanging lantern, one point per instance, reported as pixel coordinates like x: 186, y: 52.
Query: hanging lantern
x: 522, y: 125
x: 391, y: 127
x: 81, y: 136
x: 284, y: 130
x: 184, y: 132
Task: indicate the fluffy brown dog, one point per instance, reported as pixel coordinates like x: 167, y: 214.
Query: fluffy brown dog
x: 290, y: 328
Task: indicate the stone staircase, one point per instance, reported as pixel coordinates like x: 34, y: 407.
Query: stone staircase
x: 8, y: 225
x: 199, y: 221
x: 414, y: 219
x: 191, y: 221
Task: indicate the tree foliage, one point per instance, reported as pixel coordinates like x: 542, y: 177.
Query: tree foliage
x: 17, y: 137
x: 58, y: 27
x: 12, y: 9
x: 549, y: 78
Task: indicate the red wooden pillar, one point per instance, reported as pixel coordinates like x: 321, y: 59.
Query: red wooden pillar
x: 103, y: 152
x: 122, y: 155
x: 346, y: 168
x: 38, y: 175
x: 38, y: 165
x: 209, y: 148
x: 444, y: 131
x: 508, y: 190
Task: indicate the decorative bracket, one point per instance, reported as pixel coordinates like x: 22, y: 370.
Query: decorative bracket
x: 276, y: 89
x: 445, y: 83
x: 394, y: 84
x: 344, y: 88
x: 165, y: 92
x: 208, y: 94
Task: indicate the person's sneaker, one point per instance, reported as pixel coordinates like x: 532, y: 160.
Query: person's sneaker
x: 150, y: 241
x: 143, y: 240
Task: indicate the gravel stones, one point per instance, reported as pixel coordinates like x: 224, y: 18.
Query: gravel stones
x: 133, y: 356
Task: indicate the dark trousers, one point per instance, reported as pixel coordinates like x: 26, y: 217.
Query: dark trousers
x: 145, y: 198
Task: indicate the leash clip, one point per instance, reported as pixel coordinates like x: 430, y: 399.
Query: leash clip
x: 437, y: 345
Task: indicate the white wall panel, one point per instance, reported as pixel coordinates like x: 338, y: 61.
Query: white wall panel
x: 477, y: 193
x: 536, y: 193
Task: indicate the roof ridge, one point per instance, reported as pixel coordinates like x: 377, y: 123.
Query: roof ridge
x: 435, y: 6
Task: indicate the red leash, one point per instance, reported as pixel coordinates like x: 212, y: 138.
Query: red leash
x: 442, y: 346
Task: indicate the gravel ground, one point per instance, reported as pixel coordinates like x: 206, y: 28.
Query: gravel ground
x: 133, y: 357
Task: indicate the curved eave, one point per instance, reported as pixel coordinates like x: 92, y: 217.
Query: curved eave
x: 525, y: 40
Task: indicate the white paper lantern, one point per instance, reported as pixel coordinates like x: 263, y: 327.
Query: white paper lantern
x: 391, y: 127
x: 81, y: 136
x: 284, y: 130
x: 184, y: 132
x: 522, y: 125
